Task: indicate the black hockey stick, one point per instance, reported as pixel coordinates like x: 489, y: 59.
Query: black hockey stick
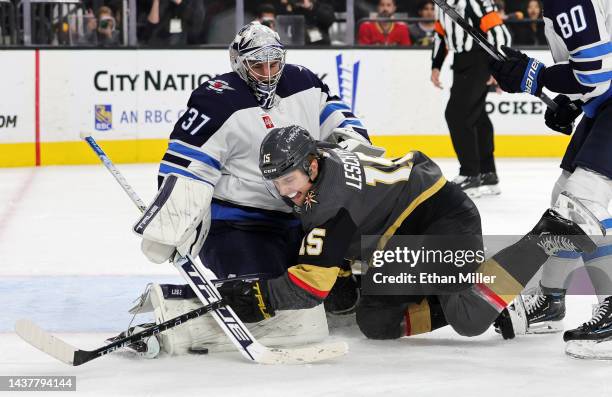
x: 484, y: 42
x: 71, y: 355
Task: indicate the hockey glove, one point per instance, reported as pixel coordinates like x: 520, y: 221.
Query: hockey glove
x: 518, y: 73
x: 350, y: 140
x: 562, y: 119
x: 249, y: 299
x: 344, y: 295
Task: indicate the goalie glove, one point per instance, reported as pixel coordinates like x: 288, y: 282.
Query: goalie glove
x: 178, y: 219
x: 352, y: 141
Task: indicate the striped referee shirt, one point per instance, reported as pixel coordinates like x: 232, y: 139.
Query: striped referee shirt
x: 450, y: 37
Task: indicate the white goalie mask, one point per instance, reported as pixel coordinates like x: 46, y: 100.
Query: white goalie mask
x: 258, y: 57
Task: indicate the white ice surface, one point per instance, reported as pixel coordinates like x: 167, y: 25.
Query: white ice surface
x: 63, y: 223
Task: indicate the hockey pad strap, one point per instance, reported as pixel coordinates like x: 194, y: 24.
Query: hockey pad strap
x: 349, y: 139
x: 181, y: 206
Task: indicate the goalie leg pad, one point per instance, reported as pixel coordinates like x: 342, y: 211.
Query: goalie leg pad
x: 286, y: 328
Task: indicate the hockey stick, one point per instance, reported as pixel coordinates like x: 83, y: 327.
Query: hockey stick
x: 114, y: 171
x: 484, y: 43
x: 71, y: 355
x: 206, y: 291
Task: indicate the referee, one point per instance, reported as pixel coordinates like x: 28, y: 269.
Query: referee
x: 469, y: 125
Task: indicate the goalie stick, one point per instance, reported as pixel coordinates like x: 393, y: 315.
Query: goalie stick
x: 484, y: 43
x: 71, y: 355
x: 206, y: 291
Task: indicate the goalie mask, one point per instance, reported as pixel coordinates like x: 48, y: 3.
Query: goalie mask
x: 258, y: 57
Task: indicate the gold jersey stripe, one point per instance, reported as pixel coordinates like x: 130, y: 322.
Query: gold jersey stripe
x: 415, y: 203
x: 420, y: 317
x: 505, y: 285
x: 316, y: 279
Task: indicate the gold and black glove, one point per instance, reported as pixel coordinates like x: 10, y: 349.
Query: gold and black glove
x: 249, y: 299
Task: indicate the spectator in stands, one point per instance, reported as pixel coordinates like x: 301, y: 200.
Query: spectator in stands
x: 100, y: 29
x: 532, y: 32
x: 514, y: 5
x: 508, y: 16
x: 266, y: 15
x: 318, y: 17
x: 171, y: 22
x: 106, y: 30
x: 422, y: 33
x: 384, y: 32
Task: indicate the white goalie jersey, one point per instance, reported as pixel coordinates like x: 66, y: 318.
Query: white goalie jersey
x: 217, y: 140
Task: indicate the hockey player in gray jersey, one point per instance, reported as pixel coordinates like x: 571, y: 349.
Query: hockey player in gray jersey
x: 212, y: 200
x: 579, y: 33
x: 341, y: 197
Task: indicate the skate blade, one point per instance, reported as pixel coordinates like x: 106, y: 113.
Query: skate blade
x: 473, y: 192
x: 589, y: 349
x: 490, y: 190
x: 546, y: 327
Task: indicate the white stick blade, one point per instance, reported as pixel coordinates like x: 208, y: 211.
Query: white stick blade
x: 43, y: 341
x: 303, y: 355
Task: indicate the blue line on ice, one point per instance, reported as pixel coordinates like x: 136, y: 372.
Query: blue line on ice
x: 73, y: 303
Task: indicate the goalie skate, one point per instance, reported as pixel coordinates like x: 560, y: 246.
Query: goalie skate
x: 147, y: 348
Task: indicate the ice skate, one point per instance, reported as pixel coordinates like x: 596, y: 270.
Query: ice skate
x: 512, y: 321
x: 545, y: 311
x: 593, y: 339
x: 469, y: 184
x: 147, y: 348
x: 556, y: 234
x: 489, y: 184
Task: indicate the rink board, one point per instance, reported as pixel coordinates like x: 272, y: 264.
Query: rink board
x: 130, y: 99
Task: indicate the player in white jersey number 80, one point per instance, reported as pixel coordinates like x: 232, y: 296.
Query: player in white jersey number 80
x: 579, y: 35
